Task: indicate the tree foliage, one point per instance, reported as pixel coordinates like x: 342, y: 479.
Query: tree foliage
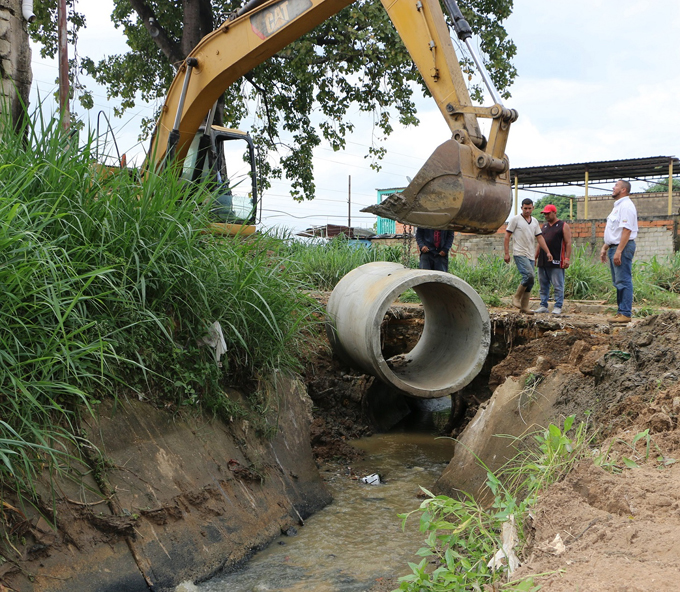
x: 561, y: 202
x: 307, y: 92
x: 662, y: 186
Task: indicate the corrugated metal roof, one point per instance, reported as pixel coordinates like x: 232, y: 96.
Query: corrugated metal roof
x: 606, y: 170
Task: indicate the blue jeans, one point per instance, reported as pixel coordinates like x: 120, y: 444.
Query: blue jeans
x: 555, y: 276
x: 525, y: 266
x: 622, y: 277
x: 434, y: 261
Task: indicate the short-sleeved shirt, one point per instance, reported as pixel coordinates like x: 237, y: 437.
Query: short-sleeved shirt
x: 523, y: 236
x: 624, y: 215
x: 554, y: 239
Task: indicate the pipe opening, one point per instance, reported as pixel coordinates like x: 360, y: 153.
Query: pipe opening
x: 448, y: 343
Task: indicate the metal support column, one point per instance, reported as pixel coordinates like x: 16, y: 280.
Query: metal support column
x: 586, y: 196
x: 670, y: 187
x: 516, y: 194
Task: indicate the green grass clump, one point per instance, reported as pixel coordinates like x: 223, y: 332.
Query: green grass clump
x: 463, y: 535
x: 586, y: 278
x: 109, y: 286
x: 321, y: 265
x: 490, y: 276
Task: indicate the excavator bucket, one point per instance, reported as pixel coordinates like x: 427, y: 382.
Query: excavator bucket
x: 451, y: 192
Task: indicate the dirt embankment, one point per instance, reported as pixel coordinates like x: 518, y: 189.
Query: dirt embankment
x: 169, y: 499
x: 619, y: 523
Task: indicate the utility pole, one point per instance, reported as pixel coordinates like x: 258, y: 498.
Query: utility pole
x: 63, y: 65
x: 349, y: 207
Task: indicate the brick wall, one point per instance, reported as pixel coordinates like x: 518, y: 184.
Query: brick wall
x: 656, y: 236
x: 647, y: 204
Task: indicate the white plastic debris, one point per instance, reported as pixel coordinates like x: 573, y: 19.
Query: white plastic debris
x: 556, y: 546
x: 505, y: 556
x: 373, y: 479
x: 215, y: 339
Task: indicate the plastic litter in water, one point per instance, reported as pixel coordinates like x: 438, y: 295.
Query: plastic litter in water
x: 373, y: 479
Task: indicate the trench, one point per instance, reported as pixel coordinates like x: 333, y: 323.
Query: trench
x: 357, y: 541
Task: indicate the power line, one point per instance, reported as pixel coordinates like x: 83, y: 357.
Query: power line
x: 284, y: 214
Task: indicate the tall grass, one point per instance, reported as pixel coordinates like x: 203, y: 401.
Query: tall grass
x: 657, y: 281
x: 586, y: 278
x: 109, y: 285
x: 321, y: 265
x: 490, y: 276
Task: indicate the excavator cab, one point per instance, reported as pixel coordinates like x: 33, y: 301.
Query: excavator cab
x: 213, y: 157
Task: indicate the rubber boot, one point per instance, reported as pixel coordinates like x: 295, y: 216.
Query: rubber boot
x: 517, y: 298
x: 525, y: 304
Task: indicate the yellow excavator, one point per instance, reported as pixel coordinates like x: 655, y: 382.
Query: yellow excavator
x: 463, y: 186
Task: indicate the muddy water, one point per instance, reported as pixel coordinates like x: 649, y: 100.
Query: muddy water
x: 351, y: 544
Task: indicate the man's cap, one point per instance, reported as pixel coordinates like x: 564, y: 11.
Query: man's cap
x: 549, y: 208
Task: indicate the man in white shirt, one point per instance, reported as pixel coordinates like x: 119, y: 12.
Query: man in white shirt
x: 524, y: 229
x: 619, y: 246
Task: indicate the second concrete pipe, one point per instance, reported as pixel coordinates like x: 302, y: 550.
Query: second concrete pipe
x: 455, y: 338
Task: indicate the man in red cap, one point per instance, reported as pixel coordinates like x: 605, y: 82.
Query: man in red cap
x: 557, y: 235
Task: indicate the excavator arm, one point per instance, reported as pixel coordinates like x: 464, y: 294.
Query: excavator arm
x: 464, y: 185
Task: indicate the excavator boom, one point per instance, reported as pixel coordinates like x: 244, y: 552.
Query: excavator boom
x: 464, y: 185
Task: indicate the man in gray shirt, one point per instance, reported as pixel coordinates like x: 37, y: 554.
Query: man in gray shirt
x: 524, y: 229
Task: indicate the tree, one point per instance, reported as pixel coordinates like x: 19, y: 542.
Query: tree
x: 15, y: 60
x: 662, y: 186
x: 561, y: 202
x: 353, y: 60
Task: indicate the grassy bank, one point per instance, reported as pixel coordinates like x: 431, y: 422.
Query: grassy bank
x: 110, y: 287
x: 321, y: 266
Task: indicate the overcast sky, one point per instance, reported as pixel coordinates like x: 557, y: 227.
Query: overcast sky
x: 597, y: 80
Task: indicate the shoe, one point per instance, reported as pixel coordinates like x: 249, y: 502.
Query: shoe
x: 556, y: 310
x: 541, y: 309
x: 619, y: 318
x: 517, y: 298
x: 525, y: 304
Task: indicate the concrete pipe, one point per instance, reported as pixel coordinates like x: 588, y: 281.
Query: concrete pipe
x: 455, y: 338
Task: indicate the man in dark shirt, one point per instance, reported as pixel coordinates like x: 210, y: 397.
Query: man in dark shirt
x: 557, y: 235
x: 434, y: 246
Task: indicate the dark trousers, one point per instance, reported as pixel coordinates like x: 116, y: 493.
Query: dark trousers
x: 434, y: 261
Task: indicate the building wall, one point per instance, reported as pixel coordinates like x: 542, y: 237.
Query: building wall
x: 657, y: 236
x: 647, y: 204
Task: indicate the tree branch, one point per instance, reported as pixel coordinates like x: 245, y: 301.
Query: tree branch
x: 170, y: 48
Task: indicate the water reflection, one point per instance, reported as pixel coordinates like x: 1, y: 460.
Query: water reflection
x: 358, y: 539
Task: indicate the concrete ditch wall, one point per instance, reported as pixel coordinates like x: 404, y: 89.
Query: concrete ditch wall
x: 187, y: 497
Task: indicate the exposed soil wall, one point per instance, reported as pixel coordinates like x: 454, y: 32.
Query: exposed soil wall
x: 169, y: 500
